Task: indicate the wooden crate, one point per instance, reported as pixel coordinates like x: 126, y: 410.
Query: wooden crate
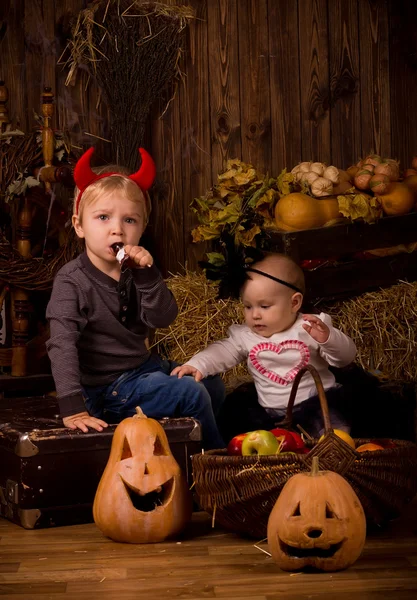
x: 345, y: 275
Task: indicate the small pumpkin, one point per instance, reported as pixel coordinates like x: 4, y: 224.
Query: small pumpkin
x: 299, y: 211
x: 369, y: 447
x: 142, y: 495
x: 398, y: 201
x: 411, y: 183
x: 317, y: 521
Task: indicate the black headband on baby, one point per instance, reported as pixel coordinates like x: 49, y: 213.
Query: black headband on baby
x: 290, y: 285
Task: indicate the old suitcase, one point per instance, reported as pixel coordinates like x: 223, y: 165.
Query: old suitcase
x: 49, y: 474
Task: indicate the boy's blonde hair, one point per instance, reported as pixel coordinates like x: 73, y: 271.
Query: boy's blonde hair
x: 120, y: 184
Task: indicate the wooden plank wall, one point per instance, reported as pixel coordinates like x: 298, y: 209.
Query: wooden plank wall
x: 268, y: 81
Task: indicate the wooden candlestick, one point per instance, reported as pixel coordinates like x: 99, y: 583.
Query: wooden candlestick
x: 48, y: 142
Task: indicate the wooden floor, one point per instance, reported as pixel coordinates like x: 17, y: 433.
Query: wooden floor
x: 79, y: 563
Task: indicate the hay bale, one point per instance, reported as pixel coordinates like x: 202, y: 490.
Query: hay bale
x: 202, y: 319
x: 383, y: 324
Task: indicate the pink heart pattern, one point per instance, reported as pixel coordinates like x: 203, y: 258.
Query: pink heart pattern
x: 278, y: 348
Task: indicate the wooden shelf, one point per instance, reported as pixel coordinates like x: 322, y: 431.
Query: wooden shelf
x: 339, y: 240
x: 356, y: 277
x: 345, y: 275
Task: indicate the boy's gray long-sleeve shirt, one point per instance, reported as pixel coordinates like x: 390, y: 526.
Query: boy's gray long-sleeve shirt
x: 99, y: 326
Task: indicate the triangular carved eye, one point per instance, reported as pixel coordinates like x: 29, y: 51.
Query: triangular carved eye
x: 126, y: 452
x: 329, y: 512
x: 297, y: 512
x: 158, y: 448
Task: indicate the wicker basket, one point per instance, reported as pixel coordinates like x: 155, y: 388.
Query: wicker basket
x: 240, y: 491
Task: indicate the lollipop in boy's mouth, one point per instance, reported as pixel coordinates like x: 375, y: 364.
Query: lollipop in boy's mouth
x: 121, y: 256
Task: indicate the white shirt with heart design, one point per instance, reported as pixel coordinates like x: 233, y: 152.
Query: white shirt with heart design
x: 274, y: 362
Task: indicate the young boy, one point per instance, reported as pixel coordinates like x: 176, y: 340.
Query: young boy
x: 277, y: 342
x: 100, y: 313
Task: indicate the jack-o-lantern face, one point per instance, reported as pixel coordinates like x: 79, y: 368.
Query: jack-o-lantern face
x: 317, y: 521
x: 142, y: 495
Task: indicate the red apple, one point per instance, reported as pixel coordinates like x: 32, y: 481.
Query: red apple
x: 285, y: 439
x: 260, y: 442
x: 234, y: 447
x: 292, y: 441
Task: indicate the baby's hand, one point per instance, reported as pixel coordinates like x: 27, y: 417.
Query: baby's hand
x: 316, y: 328
x: 83, y: 421
x: 187, y: 370
x: 139, y: 256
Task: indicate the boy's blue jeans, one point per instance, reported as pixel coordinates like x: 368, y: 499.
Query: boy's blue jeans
x: 159, y: 395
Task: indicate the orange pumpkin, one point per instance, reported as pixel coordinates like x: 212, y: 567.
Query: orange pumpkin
x: 369, y: 447
x: 411, y: 183
x: 299, y: 211
x: 317, y: 521
x: 142, y: 496
x: 398, y: 201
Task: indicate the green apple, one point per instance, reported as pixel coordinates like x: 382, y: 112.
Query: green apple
x: 260, y: 442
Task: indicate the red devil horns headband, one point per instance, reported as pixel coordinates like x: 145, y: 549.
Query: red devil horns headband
x: 84, y: 176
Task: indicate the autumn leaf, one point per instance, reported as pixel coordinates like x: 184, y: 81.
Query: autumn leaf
x: 284, y: 181
x: 360, y: 206
x: 230, y: 214
x: 216, y: 259
x: 229, y: 174
x: 266, y: 202
x: 203, y: 233
x: 245, y: 178
x: 247, y: 237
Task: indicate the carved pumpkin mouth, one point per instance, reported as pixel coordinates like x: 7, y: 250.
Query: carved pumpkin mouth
x: 150, y: 501
x: 296, y: 552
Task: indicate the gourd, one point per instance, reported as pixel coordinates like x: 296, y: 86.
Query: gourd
x: 317, y: 521
x: 398, y: 201
x: 298, y: 211
x: 142, y: 495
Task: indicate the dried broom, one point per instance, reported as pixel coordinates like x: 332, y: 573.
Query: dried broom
x: 132, y: 49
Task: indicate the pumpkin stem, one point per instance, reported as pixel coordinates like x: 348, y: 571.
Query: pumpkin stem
x: 139, y: 413
x: 315, y: 466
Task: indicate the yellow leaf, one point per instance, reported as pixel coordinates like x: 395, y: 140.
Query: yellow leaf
x: 247, y: 238
x: 205, y: 232
x: 245, y: 178
x: 227, y: 174
x: 359, y: 206
x: 230, y: 214
x: 284, y: 182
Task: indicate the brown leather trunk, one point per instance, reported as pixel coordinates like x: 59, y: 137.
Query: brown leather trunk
x: 49, y: 474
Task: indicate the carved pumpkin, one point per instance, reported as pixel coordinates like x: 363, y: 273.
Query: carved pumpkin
x: 142, y: 496
x: 317, y: 521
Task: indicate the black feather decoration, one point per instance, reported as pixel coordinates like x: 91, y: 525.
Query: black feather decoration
x: 231, y: 274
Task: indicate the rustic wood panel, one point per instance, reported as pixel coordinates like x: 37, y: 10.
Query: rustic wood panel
x: 223, y: 83
x: 71, y: 100
x: 403, y: 79
x: 374, y: 77
x: 265, y: 81
x: 167, y: 218
x: 195, y: 127
x: 39, y: 34
x: 345, y: 113
x: 284, y: 85
x: 254, y: 83
x: 314, y: 76
x: 12, y: 60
